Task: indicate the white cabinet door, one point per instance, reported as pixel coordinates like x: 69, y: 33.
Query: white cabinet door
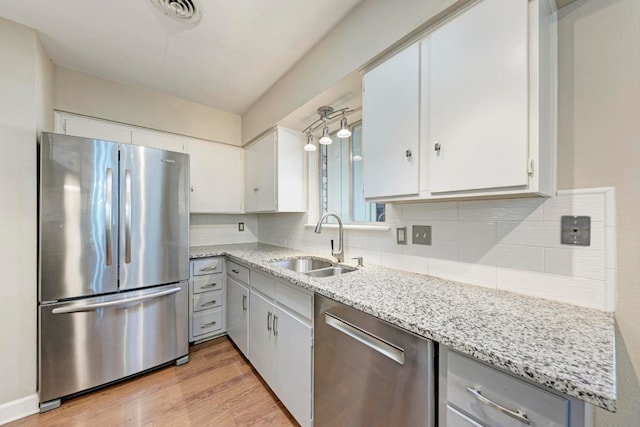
x: 292, y: 361
x: 475, y: 72
x: 261, y: 336
x: 216, y: 177
x: 260, y: 175
x: 237, y: 314
x: 390, y: 131
x: 162, y: 140
x: 92, y: 128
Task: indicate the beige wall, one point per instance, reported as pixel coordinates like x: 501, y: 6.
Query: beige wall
x: 371, y: 28
x: 599, y: 145
x: 24, y: 94
x: 85, y: 94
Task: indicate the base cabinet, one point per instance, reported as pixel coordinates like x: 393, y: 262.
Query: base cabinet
x: 206, y: 299
x: 238, y: 314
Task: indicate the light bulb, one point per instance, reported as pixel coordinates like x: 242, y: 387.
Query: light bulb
x: 344, y: 131
x: 310, y: 146
x: 326, y: 139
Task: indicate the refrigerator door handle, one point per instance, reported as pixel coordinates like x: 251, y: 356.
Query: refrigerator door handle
x: 116, y: 303
x: 107, y: 214
x: 127, y: 216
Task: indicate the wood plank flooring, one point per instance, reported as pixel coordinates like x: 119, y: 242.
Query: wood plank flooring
x: 218, y: 387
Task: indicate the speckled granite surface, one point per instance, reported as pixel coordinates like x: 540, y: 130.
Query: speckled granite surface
x: 567, y: 348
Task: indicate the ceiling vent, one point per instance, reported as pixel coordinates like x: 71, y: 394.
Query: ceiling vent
x: 187, y: 11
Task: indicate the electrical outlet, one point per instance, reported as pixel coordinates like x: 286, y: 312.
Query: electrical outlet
x: 241, y: 226
x: 401, y: 235
x: 576, y: 230
x: 421, y: 235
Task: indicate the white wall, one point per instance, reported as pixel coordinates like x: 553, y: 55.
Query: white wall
x: 369, y: 29
x: 25, y: 108
x: 93, y: 96
x: 599, y: 144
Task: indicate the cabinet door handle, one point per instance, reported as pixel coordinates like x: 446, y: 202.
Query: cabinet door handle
x: 256, y: 188
x: 244, y: 303
x: 437, y: 147
x: 206, y: 325
x: 209, y: 268
x: 207, y: 304
x: 211, y: 285
x: 269, y: 322
x: 275, y: 326
x: 235, y: 271
x: 408, y: 153
x: 517, y: 414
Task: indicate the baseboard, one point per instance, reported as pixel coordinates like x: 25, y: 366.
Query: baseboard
x: 18, y: 408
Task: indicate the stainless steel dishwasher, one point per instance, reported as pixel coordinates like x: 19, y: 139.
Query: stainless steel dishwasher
x: 368, y: 372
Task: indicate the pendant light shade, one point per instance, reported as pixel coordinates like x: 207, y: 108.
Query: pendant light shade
x: 310, y: 146
x: 326, y: 139
x: 344, y: 131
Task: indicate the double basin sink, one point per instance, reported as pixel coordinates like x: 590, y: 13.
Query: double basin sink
x: 313, y: 267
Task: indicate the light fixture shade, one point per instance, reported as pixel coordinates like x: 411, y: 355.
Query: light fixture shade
x: 344, y: 131
x: 326, y: 139
x: 310, y: 146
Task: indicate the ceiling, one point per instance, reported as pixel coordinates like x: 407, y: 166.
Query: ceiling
x: 237, y: 51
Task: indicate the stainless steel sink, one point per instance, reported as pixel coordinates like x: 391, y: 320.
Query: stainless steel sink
x: 330, y: 271
x: 302, y: 265
x: 313, y: 267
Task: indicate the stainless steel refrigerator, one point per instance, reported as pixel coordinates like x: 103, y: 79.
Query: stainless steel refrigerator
x: 113, y: 262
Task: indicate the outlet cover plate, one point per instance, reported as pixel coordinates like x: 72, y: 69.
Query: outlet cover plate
x: 401, y: 235
x: 576, y: 230
x: 241, y: 226
x: 421, y: 235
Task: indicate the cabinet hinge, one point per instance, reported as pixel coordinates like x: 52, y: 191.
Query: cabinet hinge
x: 530, y: 167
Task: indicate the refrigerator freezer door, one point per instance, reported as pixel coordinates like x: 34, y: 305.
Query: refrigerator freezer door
x: 78, y: 217
x: 90, y: 342
x: 154, y: 217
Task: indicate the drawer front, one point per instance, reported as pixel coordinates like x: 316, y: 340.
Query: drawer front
x: 458, y: 419
x: 294, y: 299
x: 207, y: 300
x: 207, y: 266
x: 210, y: 282
x: 263, y: 283
x: 206, y: 322
x: 238, y: 272
x: 541, y: 408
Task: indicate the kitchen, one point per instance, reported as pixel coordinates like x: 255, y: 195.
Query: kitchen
x: 598, y: 101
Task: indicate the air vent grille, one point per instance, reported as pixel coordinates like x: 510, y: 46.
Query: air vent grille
x: 180, y: 10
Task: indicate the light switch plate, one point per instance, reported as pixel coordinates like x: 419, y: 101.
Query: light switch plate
x: 576, y: 230
x: 421, y: 235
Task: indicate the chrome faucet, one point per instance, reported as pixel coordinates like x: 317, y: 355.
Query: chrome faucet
x: 318, y: 230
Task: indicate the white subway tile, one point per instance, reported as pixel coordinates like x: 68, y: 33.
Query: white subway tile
x: 475, y: 274
x: 611, y: 290
x: 572, y: 290
x: 543, y: 233
x: 443, y: 211
x: 496, y: 210
x: 610, y: 249
x: 508, y: 256
x: 410, y: 263
x: 583, y: 204
x: 578, y: 262
x: 442, y: 249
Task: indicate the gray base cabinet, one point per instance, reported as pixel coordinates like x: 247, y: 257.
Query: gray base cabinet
x: 474, y: 394
x: 207, y: 299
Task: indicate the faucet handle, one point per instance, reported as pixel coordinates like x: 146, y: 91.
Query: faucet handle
x: 360, y: 261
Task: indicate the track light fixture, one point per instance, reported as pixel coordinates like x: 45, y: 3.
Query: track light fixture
x: 327, y: 116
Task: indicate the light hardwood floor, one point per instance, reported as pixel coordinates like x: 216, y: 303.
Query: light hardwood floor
x: 218, y: 387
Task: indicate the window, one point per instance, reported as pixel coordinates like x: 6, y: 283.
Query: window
x: 341, y: 186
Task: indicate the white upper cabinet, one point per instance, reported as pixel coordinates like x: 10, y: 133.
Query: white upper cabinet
x: 274, y: 178
x: 216, y: 177
x: 390, y: 116
x: 478, y: 116
x: 162, y: 140
x: 487, y: 108
x: 69, y: 124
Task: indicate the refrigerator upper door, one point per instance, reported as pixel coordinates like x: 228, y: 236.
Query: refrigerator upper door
x: 154, y: 216
x: 78, y: 217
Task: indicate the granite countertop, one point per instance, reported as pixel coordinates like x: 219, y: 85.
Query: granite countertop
x: 567, y: 348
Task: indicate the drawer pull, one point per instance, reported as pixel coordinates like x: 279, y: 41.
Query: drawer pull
x: 275, y: 326
x: 235, y: 271
x: 244, y: 303
x: 209, y: 268
x: 517, y: 414
x: 207, y: 304
x: 206, y: 325
x: 211, y: 285
x: 269, y: 322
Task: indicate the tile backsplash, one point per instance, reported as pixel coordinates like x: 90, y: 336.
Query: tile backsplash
x: 206, y: 229
x: 510, y: 244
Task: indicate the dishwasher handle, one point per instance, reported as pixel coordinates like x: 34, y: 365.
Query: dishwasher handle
x: 383, y: 347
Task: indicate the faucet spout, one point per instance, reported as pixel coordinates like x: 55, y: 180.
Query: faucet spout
x: 340, y: 254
